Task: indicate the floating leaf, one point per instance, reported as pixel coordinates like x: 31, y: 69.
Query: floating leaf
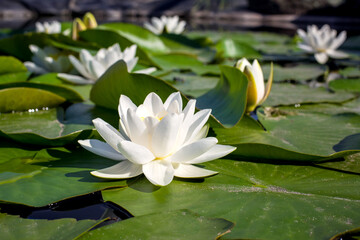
x: 11, y: 65
x: 181, y: 224
x: 310, y: 202
x: 43, y: 127
x: 23, y: 98
x: 351, y: 85
x: 236, y: 49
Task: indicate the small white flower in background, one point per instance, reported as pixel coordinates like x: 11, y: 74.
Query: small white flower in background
x: 48, y: 27
x: 48, y: 59
x: 256, y: 93
x: 92, y: 67
x: 166, y: 24
x: 161, y: 140
x: 322, y: 42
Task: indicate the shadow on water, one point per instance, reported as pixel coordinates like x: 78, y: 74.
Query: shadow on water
x: 89, y: 206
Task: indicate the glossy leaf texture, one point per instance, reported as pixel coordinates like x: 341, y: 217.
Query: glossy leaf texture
x: 310, y: 202
x: 180, y: 224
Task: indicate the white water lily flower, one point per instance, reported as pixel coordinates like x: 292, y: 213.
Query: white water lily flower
x: 48, y: 27
x: 92, y: 67
x: 166, y: 24
x: 322, y: 42
x: 256, y: 93
x: 160, y: 140
x: 47, y: 59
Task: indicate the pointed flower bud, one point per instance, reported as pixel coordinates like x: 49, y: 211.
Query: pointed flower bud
x: 257, y: 93
x: 90, y: 21
x: 77, y: 26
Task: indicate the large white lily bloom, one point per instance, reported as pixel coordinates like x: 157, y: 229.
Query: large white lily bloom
x: 322, y: 42
x: 48, y: 27
x: 256, y: 93
x: 161, y: 140
x: 166, y: 24
x: 92, y: 67
x: 47, y: 59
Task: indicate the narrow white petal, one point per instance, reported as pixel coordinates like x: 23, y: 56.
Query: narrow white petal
x: 101, y: 148
x: 180, y: 27
x: 338, y: 41
x: 108, y: 133
x: 135, y: 153
x: 124, y: 169
x: 130, y: 64
x: 124, y: 104
x: 151, y: 28
x: 159, y: 172
x: 32, y: 67
x: 321, y: 57
x: 174, y: 97
x: 136, y: 128
x: 190, y: 171
x: 218, y: 151
x: 154, y: 104
x: 96, y: 69
x: 79, y: 67
x: 74, y: 79
x: 242, y: 63
x: 193, y: 150
x: 336, y: 54
x: 196, y: 124
x: 306, y: 48
x: 259, y: 80
x: 165, y: 135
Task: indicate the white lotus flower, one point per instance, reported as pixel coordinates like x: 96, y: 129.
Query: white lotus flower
x: 256, y: 93
x: 48, y: 27
x: 322, y: 42
x: 166, y: 24
x: 92, y: 67
x: 158, y: 139
x: 47, y: 59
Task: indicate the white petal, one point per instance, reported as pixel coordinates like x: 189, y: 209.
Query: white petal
x: 151, y: 28
x: 259, y: 80
x: 32, y: 67
x: 218, y: 151
x: 336, y: 54
x: 180, y: 27
x: 196, y: 124
x: 165, y: 135
x: 174, y: 97
x: 242, y: 63
x: 108, y: 133
x: 159, y: 172
x: 96, y: 69
x: 135, y: 128
x: 321, y: 57
x: 124, y: 169
x: 79, y: 67
x: 190, y: 171
x: 193, y: 150
x: 154, y: 104
x: 101, y: 148
x: 124, y: 104
x: 74, y: 79
x: 306, y: 48
x: 135, y: 153
x: 338, y: 41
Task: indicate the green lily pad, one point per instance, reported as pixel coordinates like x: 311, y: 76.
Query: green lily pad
x: 116, y: 81
x: 176, y: 61
x: 53, y: 174
x: 13, y: 227
x: 350, y: 85
x: 22, y: 98
x: 72, y: 92
x: 61, y: 90
x: 292, y: 136
x: 228, y: 99
x: 136, y: 34
x: 181, y: 224
x: 236, y: 49
x: 290, y: 94
x: 14, y: 77
x: 43, y: 127
x: 299, y: 72
x: 11, y: 65
x: 191, y: 84
x: 310, y: 202
x: 350, y: 72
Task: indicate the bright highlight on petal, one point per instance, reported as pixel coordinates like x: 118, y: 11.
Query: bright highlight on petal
x: 166, y: 24
x: 159, y: 139
x: 322, y: 42
x: 257, y: 93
